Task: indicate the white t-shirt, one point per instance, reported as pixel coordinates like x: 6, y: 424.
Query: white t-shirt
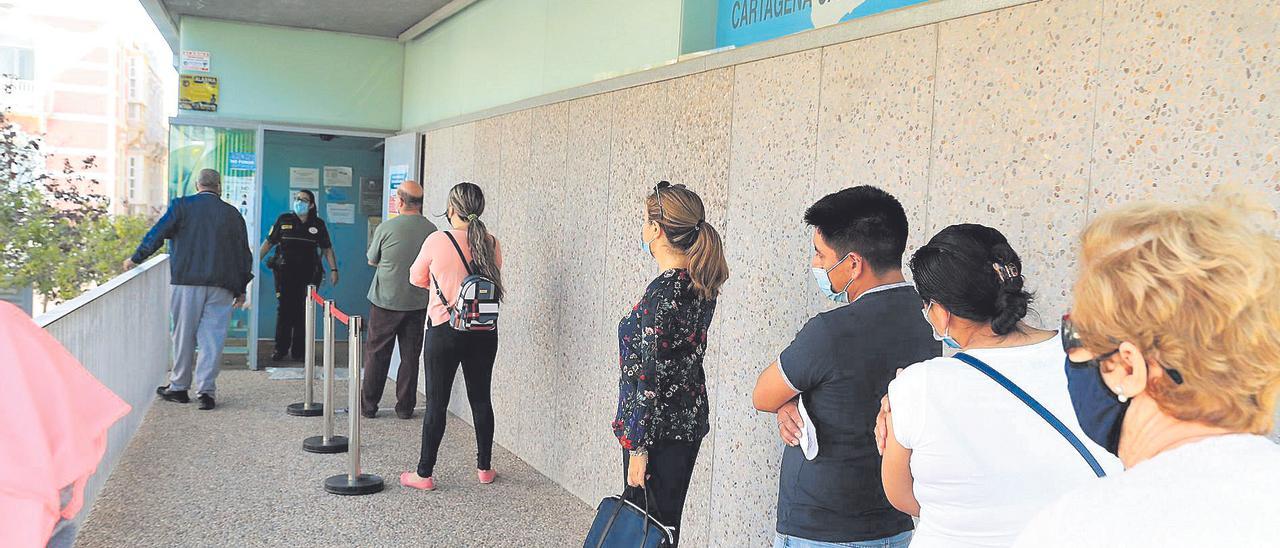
x: 1220, y: 491
x: 984, y: 462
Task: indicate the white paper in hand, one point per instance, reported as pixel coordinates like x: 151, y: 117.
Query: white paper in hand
x: 808, y: 434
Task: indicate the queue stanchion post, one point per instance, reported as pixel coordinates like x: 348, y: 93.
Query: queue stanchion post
x: 308, y: 407
x: 327, y: 442
x: 354, y: 482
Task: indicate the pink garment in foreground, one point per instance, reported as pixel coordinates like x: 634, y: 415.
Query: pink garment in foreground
x: 54, y: 417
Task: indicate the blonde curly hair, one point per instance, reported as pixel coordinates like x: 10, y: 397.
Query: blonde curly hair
x: 1197, y: 288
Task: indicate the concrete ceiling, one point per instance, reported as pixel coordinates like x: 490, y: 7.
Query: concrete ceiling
x: 387, y: 18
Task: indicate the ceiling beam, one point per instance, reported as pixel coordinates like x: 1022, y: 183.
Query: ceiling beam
x: 163, y: 21
x: 446, y: 11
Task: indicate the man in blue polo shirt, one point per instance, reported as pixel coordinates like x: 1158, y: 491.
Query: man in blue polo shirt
x: 839, y: 366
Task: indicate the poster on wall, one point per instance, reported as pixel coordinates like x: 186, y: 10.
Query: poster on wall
x: 237, y: 190
x: 337, y: 176
x: 370, y: 196
x: 742, y: 22
x: 197, y: 61
x: 398, y: 175
x: 304, y: 177
x: 196, y: 92
x: 343, y: 214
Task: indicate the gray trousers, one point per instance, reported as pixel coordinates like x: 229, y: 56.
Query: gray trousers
x: 200, y: 316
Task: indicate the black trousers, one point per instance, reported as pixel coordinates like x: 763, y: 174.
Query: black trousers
x: 291, y: 335
x: 446, y: 349
x: 669, y: 470
x: 385, y: 328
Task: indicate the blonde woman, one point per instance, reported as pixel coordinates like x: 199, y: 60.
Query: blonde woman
x: 1174, y: 349
x: 662, y: 389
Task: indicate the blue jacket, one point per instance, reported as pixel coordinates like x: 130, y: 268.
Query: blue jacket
x: 210, y: 245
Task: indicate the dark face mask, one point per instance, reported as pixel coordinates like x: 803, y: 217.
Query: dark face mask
x: 1099, y: 410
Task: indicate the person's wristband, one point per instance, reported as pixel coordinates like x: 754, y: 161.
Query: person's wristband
x: 333, y: 270
x: 639, y: 452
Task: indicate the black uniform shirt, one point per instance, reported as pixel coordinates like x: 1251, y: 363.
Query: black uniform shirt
x: 299, y: 242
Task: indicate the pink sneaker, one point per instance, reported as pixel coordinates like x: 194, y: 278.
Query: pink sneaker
x: 412, y: 481
x: 486, y: 476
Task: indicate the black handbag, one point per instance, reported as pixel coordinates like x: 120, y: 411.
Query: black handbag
x: 619, y: 523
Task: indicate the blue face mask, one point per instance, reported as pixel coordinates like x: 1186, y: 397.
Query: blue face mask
x: 644, y: 246
x: 823, y: 277
x: 945, y: 337
x: 300, y: 207
x: 1098, y: 410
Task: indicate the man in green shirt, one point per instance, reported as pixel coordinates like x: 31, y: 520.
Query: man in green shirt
x: 399, y: 310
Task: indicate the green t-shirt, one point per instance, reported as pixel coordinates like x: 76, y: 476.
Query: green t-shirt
x: 394, y: 247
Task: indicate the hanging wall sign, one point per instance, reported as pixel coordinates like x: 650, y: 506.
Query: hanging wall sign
x: 197, y: 61
x: 742, y: 22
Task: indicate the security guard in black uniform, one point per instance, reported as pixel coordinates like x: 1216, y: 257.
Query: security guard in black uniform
x: 300, y: 234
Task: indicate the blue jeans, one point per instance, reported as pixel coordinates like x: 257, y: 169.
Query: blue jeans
x: 900, y: 540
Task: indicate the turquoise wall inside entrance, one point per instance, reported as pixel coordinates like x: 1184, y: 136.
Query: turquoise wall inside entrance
x: 282, y: 150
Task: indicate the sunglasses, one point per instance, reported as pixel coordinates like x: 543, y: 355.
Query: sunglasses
x: 657, y: 191
x: 1071, y: 341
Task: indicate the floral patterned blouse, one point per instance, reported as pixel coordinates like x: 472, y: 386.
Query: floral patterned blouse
x: 662, y: 393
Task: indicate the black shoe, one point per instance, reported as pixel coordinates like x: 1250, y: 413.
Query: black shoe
x: 404, y: 414
x: 206, y: 401
x: 278, y: 356
x: 368, y: 414
x: 172, y: 395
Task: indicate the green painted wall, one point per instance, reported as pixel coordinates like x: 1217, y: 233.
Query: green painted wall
x: 500, y: 51
x: 698, y: 31
x: 279, y: 74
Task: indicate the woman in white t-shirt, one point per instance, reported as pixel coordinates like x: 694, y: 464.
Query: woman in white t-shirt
x: 963, y: 453
x: 1174, y: 339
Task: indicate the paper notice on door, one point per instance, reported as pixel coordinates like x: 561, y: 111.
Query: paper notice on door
x: 337, y: 176
x: 344, y: 214
x: 304, y: 177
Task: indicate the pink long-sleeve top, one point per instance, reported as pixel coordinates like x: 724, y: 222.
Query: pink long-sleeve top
x: 438, y: 258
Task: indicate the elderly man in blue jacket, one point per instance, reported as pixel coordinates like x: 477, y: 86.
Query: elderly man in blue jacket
x: 210, y: 267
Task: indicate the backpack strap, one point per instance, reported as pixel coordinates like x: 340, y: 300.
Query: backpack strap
x: 1035, y: 406
x: 439, y: 293
x: 457, y: 247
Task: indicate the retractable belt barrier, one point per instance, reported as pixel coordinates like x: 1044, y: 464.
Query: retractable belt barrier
x: 353, y: 482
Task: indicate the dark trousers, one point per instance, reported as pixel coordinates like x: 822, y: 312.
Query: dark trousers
x: 669, y: 470
x: 385, y: 328
x: 291, y: 335
x: 445, y: 349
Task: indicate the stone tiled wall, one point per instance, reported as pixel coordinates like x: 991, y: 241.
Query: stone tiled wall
x: 1030, y: 119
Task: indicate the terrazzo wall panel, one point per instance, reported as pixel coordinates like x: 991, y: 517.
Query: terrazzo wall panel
x: 1029, y: 119
x: 587, y: 334
x: 775, y: 118
x: 1012, y: 130
x: 1189, y: 98
x: 700, y: 159
x: 874, y: 123
x: 545, y: 242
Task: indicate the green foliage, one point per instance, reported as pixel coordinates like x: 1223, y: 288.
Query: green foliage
x: 55, y: 236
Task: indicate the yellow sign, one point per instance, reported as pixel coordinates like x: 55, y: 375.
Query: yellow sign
x: 197, y: 92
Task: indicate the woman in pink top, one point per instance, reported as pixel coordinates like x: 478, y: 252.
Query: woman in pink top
x: 56, y: 417
x: 446, y: 348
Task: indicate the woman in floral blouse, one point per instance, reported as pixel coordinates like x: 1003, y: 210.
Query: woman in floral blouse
x: 662, y: 393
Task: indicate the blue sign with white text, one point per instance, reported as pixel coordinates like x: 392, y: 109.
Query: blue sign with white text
x: 241, y: 160
x: 742, y: 22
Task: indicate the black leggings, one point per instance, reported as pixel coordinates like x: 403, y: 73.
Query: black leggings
x: 670, y: 469
x: 445, y: 348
